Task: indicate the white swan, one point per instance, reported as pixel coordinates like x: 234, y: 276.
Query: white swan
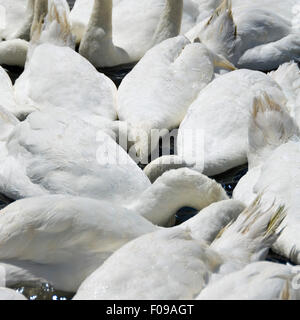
x: 15, y: 52
x: 213, y: 136
x: 59, y: 77
x: 63, y: 151
x: 274, y: 169
x: 18, y: 17
x: 51, y: 152
x: 256, y: 35
x: 257, y: 281
x: 102, y: 49
x: 158, y: 91
x: 56, y: 76
x: 172, y: 264
x: 62, y: 239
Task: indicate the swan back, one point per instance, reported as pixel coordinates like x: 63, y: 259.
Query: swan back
x: 57, y: 76
x: 63, y: 239
x: 152, y: 268
x: 219, y: 116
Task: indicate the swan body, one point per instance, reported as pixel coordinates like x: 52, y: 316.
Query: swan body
x: 59, y: 77
x: 103, y: 49
x: 163, y: 254
x: 274, y: 155
x: 18, y: 17
x: 62, y: 239
x: 257, y: 281
x: 220, y: 116
x: 213, y: 136
x: 53, y: 153
x: 158, y: 91
x: 254, y: 35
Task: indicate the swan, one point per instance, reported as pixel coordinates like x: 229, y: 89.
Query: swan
x: 50, y: 152
x: 18, y: 18
x: 22, y: 16
x: 158, y: 91
x: 274, y: 169
x: 255, y: 35
x: 13, y: 51
x: 102, y: 49
x: 260, y: 280
x: 57, y: 76
x: 150, y: 267
x: 16, y: 51
x: 52, y: 162
x: 128, y: 17
x: 213, y: 136
x: 62, y: 239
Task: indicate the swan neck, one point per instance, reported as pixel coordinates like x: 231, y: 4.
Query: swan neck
x: 102, y: 15
x: 170, y: 21
x: 174, y: 190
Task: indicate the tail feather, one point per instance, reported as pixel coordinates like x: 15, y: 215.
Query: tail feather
x: 220, y: 32
x: 55, y: 28
x: 250, y: 236
x: 270, y: 126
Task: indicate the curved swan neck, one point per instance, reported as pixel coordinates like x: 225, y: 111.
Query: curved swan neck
x: 170, y: 21
x: 102, y: 16
x: 176, y: 189
x: 40, y: 12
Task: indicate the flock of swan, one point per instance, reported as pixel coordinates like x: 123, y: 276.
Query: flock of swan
x: 84, y: 216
